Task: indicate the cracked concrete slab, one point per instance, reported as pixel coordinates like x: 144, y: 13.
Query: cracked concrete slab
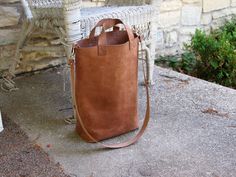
x: 192, y: 131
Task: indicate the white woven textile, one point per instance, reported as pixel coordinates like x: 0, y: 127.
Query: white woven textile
x: 135, y: 16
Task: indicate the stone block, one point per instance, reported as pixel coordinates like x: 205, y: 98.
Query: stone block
x: 191, y: 15
x: 217, y: 23
x: 156, y: 3
x: 170, y: 5
x: 168, y: 19
x: 187, y: 30
x: 207, y: 29
x: 37, y: 56
x: 221, y: 13
x: 168, y: 51
x: 206, y: 19
x: 6, y: 56
x: 9, y: 1
x: 8, y: 16
x: 184, y: 39
x: 171, y: 39
x: 37, y: 65
x: 8, y: 36
x: 212, y: 5
x: 7, y: 51
x: 233, y: 10
x: 159, y: 38
x: 233, y: 3
x: 191, y: 1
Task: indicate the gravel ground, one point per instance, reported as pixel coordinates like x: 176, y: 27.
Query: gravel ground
x: 21, y: 158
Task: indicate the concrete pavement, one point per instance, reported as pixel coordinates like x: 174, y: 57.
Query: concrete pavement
x: 192, y: 132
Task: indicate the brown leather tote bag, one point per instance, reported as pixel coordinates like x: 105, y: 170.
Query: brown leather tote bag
x: 105, y: 84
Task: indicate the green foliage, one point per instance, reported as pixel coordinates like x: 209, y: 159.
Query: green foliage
x: 184, y: 63
x: 170, y: 61
x: 211, y: 56
x: 230, y: 29
x: 215, y: 56
x: 188, y: 63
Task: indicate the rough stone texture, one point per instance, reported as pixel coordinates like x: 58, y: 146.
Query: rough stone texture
x: 44, y: 62
x: 126, y: 2
x: 233, y: 11
x: 191, y: 15
x: 233, y: 3
x: 37, y: 56
x: 187, y: 30
x: 209, y: 5
x: 191, y: 1
x: 20, y: 157
x: 171, y: 38
x: 9, y: 16
x: 6, y: 56
x: 168, y: 19
x: 170, y: 5
x: 217, y: 23
x: 184, y: 39
x: 206, y: 19
x: 221, y: 13
x: 8, y: 36
x: 9, y: 1
x: 160, y: 38
x: 191, y: 132
x: 168, y: 51
x: 207, y: 29
x: 202, y: 14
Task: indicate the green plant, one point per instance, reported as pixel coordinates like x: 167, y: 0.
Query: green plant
x: 188, y: 63
x: 168, y: 61
x: 230, y: 29
x: 210, y: 56
x: 215, y: 56
x: 184, y: 63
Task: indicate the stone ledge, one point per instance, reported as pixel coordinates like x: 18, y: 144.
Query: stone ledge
x: 170, y: 5
x: 222, y: 13
x: 9, y: 16
x: 191, y: 15
x: 233, y: 3
x: 8, y: 36
x: 212, y: 5
x: 9, y: 1
x: 192, y: 1
x: 206, y: 19
x: 168, y: 19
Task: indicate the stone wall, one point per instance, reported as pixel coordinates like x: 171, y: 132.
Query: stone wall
x: 11, y: 15
x: 178, y: 19
x: 9, y: 29
x: 175, y: 21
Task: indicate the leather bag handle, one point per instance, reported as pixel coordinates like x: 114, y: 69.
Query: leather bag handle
x: 106, y: 24
x: 119, y: 145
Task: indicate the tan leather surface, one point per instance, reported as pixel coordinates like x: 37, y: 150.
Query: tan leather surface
x: 106, y: 83
x: 117, y: 145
